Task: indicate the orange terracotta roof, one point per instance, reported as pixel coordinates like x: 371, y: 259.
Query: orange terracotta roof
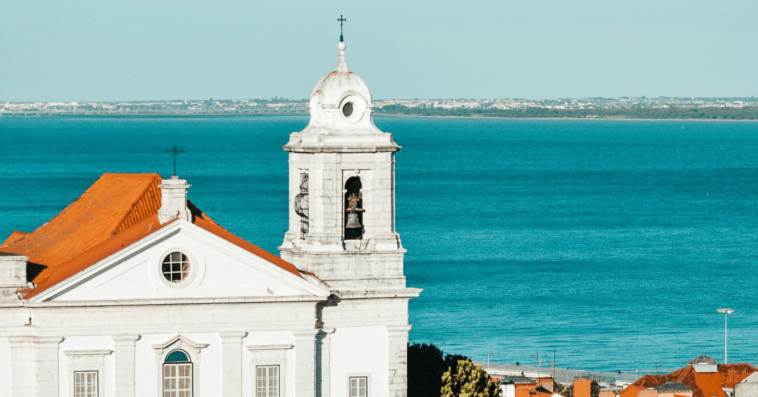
x: 531, y: 391
x: 112, y: 203
x: 631, y: 391
x: 702, y: 384
x: 99, y: 252
x: 115, y: 212
x: 14, y: 237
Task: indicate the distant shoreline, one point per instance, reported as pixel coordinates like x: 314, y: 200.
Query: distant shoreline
x: 477, y: 117
x: 554, y: 118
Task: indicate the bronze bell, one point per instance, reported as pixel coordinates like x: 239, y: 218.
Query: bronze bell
x: 352, y: 220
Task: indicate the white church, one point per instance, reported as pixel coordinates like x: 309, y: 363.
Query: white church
x: 132, y: 291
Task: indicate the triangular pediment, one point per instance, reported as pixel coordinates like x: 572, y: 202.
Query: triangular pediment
x: 200, y: 265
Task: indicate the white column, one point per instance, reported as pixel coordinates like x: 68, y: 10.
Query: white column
x: 398, y: 360
x: 326, y: 363
x: 305, y: 363
x: 22, y: 365
x: 231, y: 363
x: 125, y: 365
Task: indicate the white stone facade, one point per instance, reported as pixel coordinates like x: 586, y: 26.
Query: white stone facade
x: 235, y: 324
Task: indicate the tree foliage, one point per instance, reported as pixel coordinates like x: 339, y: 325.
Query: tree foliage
x: 564, y: 391
x: 425, y: 368
x: 426, y: 365
x: 595, y: 391
x: 468, y: 380
x: 569, y: 391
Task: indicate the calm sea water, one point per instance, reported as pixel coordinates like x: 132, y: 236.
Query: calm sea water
x: 611, y: 243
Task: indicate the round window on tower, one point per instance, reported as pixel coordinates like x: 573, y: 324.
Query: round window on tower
x: 176, y: 267
x: 347, y: 109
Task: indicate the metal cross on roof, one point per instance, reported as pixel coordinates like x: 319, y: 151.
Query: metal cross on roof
x: 341, y: 20
x: 175, y: 151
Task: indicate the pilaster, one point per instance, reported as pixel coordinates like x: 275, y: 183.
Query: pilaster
x: 231, y: 363
x: 22, y: 366
x: 326, y: 361
x: 398, y: 360
x: 125, y: 366
x: 34, y: 365
x: 305, y: 362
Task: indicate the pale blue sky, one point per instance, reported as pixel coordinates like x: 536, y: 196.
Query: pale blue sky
x: 167, y: 49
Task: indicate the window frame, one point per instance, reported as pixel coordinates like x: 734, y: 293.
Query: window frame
x: 193, y: 271
x: 268, y: 356
x: 177, y: 363
x: 369, y: 392
x: 278, y: 380
x: 86, y: 361
x: 97, y: 381
x: 190, y: 348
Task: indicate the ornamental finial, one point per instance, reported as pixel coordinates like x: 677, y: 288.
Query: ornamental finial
x: 341, y: 20
x: 341, y: 64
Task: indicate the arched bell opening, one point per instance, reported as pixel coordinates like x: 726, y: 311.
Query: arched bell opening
x: 353, y: 209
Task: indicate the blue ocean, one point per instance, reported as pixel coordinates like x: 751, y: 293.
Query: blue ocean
x: 607, y: 243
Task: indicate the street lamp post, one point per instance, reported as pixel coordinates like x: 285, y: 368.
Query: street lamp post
x: 726, y: 313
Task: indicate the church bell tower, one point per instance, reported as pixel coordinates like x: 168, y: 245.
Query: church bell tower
x: 342, y: 189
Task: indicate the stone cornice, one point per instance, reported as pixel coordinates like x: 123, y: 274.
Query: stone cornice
x: 183, y: 301
x: 378, y: 293
x: 99, y: 352
x: 340, y: 149
x: 268, y: 347
x: 232, y: 335
x: 392, y: 329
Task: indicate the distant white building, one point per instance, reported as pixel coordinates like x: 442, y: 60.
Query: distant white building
x: 133, y: 291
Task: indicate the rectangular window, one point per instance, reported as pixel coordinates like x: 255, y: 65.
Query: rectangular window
x: 177, y: 380
x: 85, y: 384
x: 267, y: 380
x: 358, y: 386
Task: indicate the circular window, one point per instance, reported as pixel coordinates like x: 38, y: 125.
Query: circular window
x: 176, y: 267
x: 347, y: 110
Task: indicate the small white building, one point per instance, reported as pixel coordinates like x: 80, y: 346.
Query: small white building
x: 133, y: 291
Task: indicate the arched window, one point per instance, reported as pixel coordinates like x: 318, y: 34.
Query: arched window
x: 177, y: 375
x: 353, y: 209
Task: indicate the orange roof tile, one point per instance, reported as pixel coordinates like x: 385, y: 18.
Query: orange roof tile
x: 96, y: 216
x: 14, y: 237
x: 702, y: 384
x: 115, y: 212
x: 631, y: 391
x: 99, y: 252
x: 530, y: 391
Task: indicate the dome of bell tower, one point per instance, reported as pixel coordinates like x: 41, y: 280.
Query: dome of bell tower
x: 341, y: 102
x: 336, y: 86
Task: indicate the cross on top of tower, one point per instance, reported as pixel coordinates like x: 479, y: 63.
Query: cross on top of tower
x: 341, y: 20
x: 175, y: 152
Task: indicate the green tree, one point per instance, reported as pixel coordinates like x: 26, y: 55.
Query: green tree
x: 595, y: 389
x: 425, y: 368
x: 564, y: 391
x: 468, y: 380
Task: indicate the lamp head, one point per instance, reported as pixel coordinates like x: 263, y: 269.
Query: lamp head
x: 725, y: 311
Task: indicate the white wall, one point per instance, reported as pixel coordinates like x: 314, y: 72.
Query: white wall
x: 359, y: 351
x: 5, y: 368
